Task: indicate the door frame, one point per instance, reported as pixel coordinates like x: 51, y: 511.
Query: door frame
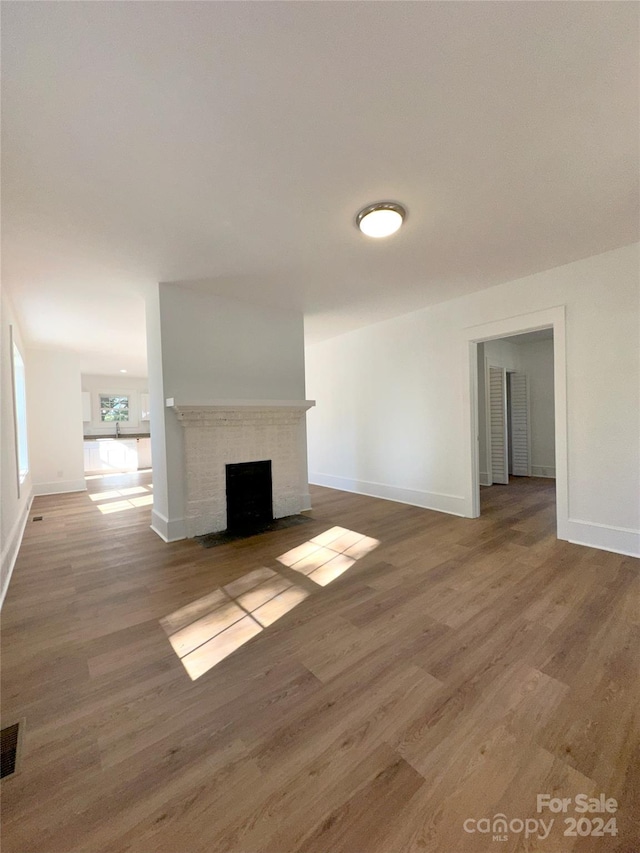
x: 553, y: 318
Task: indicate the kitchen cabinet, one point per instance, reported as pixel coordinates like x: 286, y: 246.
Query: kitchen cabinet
x: 111, y: 454
x: 117, y: 454
x: 144, y: 453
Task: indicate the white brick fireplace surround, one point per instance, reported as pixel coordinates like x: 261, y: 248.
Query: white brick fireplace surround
x: 242, y: 431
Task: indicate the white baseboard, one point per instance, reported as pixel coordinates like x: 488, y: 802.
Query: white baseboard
x: 485, y: 479
x: 169, y: 530
x: 10, y: 551
x: 620, y: 540
x: 60, y: 487
x: 543, y: 471
x: 451, y: 504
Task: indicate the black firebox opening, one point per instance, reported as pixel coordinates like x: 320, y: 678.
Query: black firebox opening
x: 249, y: 496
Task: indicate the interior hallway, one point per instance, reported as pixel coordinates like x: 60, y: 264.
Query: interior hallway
x: 453, y: 671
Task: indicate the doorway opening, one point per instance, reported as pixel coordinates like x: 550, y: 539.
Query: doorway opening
x: 516, y: 417
x: 537, y: 454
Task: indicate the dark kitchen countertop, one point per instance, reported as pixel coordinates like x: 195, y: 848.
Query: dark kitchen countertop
x: 118, y: 437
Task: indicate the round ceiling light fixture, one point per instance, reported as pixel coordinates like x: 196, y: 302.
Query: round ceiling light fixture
x: 381, y: 219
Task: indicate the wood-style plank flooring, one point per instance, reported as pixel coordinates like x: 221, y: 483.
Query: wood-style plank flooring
x: 451, y: 673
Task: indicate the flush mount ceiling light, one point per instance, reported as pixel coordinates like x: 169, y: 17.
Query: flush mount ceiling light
x: 123, y: 370
x: 381, y: 219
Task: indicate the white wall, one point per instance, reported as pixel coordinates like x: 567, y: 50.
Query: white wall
x: 203, y: 348
x: 215, y: 348
x: 536, y: 360
x: 503, y: 353
x: 54, y: 407
x: 118, y: 384
x: 390, y: 417
x: 14, y: 503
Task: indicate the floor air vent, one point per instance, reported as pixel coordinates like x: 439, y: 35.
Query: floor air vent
x: 9, y: 743
x: 37, y: 518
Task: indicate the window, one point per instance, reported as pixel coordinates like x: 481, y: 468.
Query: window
x: 114, y: 408
x: 20, y: 412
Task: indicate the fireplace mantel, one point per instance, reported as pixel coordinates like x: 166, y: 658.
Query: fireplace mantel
x: 242, y: 412
x: 223, y: 432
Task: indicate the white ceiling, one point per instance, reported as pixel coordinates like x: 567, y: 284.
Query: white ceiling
x: 233, y: 143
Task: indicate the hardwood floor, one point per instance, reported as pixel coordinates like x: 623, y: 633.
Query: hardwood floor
x: 454, y: 671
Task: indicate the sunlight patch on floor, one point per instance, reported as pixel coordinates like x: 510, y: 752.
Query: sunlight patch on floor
x: 327, y: 556
x: 116, y: 506
x: 147, y: 500
x: 209, y: 629
x: 130, y: 498
x: 116, y: 493
x: 119, y: 506
x: 116, y: 474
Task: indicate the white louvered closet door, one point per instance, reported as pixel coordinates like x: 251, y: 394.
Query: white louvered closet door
x: 520, y: 440
x: 498, y: 424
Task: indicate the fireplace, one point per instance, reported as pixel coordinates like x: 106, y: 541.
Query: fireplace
x: 223, y: 434
x: 249, y: 496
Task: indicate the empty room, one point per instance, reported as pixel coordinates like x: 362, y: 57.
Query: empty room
x: 320, y: 427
